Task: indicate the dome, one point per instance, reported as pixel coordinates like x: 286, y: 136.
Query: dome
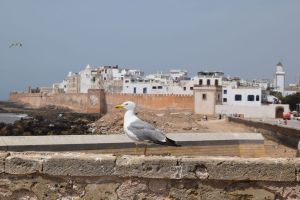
x: 88, y: 67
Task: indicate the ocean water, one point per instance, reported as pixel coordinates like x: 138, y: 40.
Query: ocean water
x: 10, y: 118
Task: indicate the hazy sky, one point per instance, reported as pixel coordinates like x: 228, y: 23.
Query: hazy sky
x: 240, y: 38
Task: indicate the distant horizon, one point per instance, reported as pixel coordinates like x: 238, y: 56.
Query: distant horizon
x: 244, y: 39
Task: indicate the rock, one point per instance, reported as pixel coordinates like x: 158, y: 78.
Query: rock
x: 101, y: 191
x: 79, y: 164
x: 130, y: 189
x: 22, y: 164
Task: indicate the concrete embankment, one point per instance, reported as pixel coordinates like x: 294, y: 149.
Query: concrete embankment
x: 97, y: 176
x: 218, y: 144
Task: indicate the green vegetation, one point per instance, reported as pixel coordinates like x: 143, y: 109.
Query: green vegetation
x: 292, y: 100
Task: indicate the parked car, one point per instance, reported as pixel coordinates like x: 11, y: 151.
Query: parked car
x: 287, y: 115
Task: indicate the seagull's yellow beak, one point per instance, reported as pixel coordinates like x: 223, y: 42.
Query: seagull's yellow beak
x: 119, y: 106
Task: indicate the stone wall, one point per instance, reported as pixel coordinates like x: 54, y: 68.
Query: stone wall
x: 280, y: 133
x: 91, y: 102
x: 96, y: 101
x: 153, y: 101
x: 97, y: 176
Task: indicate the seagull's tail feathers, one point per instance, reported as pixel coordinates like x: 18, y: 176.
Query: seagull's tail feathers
x: 169, y: 142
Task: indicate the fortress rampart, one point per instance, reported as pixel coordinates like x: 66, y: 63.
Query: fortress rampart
x: 99, y: 176
x: 96, y: 101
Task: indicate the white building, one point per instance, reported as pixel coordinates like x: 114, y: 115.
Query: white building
x: 242, y: 96
x: 88, y: 79
x: 157, y: 84
x: 279, y: 81
x: 135, y: 72
x: 178, y: 74
x: 210, y: 78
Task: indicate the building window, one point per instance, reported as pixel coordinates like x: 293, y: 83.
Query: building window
x: 159, y: 87
x: 224, y: 99
x: 200, y: 82
x: 127, y: 81
x: 144, y: 90
x: 153, y: 87
x: 104, y: 78
x: 216, y: 82
x: 257, y: 97
x: 208, y: 82
x: 184, y: 88
x: 218, y: 97
x: 238, y: 97
x: 94, y: 79
x: 225, y: 91
x: 204, y: 97
x: 191, y: 88
x: 250, y: 97
x: 134, y: 90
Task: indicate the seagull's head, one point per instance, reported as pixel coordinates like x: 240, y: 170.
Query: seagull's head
x: 128, y: 105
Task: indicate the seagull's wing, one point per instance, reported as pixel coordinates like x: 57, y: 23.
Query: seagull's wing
x: 146, y: 132
x: 10, y: 46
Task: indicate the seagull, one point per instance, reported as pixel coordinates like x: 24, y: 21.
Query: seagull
x: 140, y: 131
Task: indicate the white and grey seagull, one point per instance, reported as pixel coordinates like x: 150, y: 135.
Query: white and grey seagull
x: 140, y: 131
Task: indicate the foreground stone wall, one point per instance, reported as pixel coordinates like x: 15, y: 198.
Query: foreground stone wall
x: 98, y: 176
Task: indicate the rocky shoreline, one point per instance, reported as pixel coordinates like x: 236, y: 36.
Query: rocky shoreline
x: 46, y: 121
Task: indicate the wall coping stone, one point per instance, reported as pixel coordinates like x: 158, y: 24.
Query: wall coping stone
x: 161, y: 167
x: 90, y: 142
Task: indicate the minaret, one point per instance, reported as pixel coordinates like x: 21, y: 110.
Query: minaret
x: 279, y: 78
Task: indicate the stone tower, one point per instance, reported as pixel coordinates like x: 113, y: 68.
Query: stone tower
x: 206, y: 98
x: 279, y: 78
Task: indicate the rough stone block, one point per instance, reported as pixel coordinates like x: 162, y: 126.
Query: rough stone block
x: 3, y: 155
x: 148, y: 167
x: 79, y: 164
x: 297, y: 168
x: 233, y: 168
x: 18, y: 163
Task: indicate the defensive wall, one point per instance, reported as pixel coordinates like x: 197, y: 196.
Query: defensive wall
x: 92, y: 102
x: 96, y: 101
x: 280, y: 133
x: 103, y: 176
x: 153, y: 101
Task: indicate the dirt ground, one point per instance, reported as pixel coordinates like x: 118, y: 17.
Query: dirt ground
x: 168, y: 121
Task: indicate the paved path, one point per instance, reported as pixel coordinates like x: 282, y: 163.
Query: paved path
x: 100, y: 142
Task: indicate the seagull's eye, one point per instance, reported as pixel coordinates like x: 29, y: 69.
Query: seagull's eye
x: 126, y: 104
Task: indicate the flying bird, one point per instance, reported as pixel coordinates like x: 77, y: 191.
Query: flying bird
x: 18, y: 44
x: 140, y: 131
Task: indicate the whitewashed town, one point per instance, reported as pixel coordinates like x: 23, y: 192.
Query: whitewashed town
x: 234, y: 94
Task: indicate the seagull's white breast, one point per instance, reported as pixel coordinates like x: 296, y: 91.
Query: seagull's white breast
x: 129, y: 117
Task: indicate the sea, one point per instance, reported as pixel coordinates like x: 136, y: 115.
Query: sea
x: 10, y: 118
